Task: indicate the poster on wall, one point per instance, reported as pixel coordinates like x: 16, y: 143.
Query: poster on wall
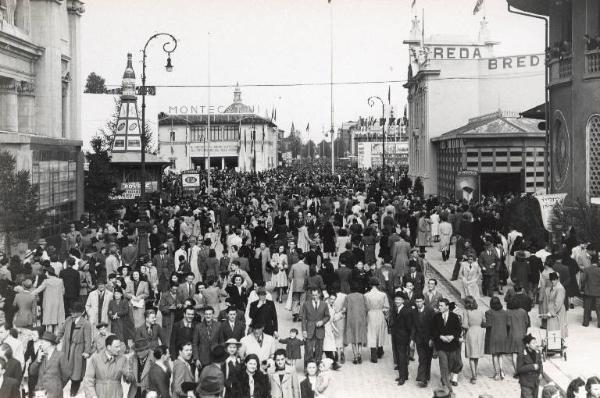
x: 190, y: 181
x: 547, y: 203
x: 466, y: 185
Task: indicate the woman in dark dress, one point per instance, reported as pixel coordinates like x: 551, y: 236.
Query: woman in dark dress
x: 240, y: 386
x: 328, y: 236
x: 119, y: 313
x: 496, y: 320
x: 328, y: 274
x: 368, y: 242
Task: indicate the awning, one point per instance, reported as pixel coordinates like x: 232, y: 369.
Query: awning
x: 537, y: 112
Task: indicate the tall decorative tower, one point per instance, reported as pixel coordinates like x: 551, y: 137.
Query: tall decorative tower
x: 128, y: 136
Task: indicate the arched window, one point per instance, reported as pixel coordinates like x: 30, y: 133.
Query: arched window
x: 593, y: 158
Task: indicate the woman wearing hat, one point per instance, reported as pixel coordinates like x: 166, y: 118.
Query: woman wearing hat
x: 53, y: 308
x: 249, y: 381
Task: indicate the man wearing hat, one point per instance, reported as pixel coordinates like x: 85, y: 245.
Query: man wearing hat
x: 140, y: 365
x: 258, y: 343
x: 529, y: 368
x: 264, y: 310
x: 211, y: 381
x: 488, y: 261
x: 164, y: 266
x: 97, y: 302
x: 76, y: 335
x: 50, y: 367
x: 401, y: 325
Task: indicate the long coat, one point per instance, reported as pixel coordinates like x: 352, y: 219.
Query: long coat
x: 92, y: 303
x: 356, y: 319
x: 377, y: 305
x: 422, y: 231
x: 298, y: 274
x: 76, y: 340
x: 470, y: 275
x: 165, y: 267
x: 25, y: 302
x: 556, y: 306
x: 142, y: 292
x: 288, y: 387
x: 203, y: 339
x: 104, y: 378
x: 144, y: 381
x: 52, y: 374
x: 400, y: 252
x: 53, y: 307
x: 123, y: 326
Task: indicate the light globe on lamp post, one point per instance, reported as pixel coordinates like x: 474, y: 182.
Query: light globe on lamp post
x: 371, y: 102
x: 168, y: 47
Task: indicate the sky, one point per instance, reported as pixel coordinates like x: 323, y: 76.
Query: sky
x: 270, y: 42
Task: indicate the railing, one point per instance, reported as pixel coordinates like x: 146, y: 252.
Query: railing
x: 561, y: 69
x: 592, y: 61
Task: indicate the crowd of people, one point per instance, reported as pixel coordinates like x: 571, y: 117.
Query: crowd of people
x: 180, y: 299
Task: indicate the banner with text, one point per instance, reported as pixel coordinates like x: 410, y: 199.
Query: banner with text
x: 547, y: 203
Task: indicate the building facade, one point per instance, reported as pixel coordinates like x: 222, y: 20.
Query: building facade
x: 238, y: 139
x: 451, y: 79
x: 40, y: 99
x: 574, y: 91
x: 506, y: 151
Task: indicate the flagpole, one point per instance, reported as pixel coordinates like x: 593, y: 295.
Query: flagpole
x: 208, y: 185
x: 331, y: 82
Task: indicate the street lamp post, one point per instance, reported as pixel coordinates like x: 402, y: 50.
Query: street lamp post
x: 371, y: 102
x: 169, y: 46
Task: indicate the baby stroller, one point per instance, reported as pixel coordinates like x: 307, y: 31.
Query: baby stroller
x: 552, y: 342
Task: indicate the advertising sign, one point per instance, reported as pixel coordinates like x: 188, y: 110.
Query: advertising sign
x: 547, y: 203
x: 466, y: 185
x: 190, y: 181
x: 131, y: 190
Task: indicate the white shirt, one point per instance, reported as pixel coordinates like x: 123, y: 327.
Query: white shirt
x: 17, y: 349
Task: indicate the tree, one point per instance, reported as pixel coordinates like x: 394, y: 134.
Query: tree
x: 19, y: 201
x: 101, y: 182
x: 95, y: 84
x: 524, y: 214
x: 584, y: 218
x: 418, y: 187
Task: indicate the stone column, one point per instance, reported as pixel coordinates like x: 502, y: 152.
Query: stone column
x: 9, y: 109
x: 26, y: 101
x: 76, y: 9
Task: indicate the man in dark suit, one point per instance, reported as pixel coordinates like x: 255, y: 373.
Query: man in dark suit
x: 52, y: 372
x: 423, y: 316
x: 590, y: 286
x: 488, y: 262
x: 204, y: 337
x: 165, y: 266
x: 446, y: 331
x: 529, y: 368
x: 183, y: 331
x: 315, y: 314
x: 264, y: 311
x: 415, y: 277
x: 231, y: 328
x: 401, y: 324
x: 71, y: 281
x: 432, y: 295
x: 150, y: 331
x: 185, y: 290
x: 347, y: 257
x: 9, y: 388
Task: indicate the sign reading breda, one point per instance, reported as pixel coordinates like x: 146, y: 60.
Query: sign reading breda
x: 465, y: 52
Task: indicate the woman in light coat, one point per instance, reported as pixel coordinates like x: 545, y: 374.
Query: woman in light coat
x: 377, y: 304
x: 445, y: 234
x: 286, y: 386
x: 470, y: 275
x: 555, y: 296
x: 304, y: 240
x: 53, y: 307
x: 136, y: 292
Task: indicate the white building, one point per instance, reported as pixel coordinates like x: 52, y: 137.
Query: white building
x: 40, y: 99
x: 452, y: 79
x: 238, y: 139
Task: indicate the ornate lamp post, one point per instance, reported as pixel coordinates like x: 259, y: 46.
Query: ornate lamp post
x: 168, y: 47
x: 371, y: 102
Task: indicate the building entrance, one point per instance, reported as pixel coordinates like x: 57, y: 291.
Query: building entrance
x: 216, y: 162
x: 501, y: 183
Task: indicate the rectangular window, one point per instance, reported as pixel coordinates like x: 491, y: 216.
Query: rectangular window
x: 487, y: 153
x: 486, y: 164
x: 516, y: 154
x: 498, y: 154
x: 215, y: 133
x: 472, y: 164
x: 515, y: 164
x: 501, y: 164
x: 197, y: 133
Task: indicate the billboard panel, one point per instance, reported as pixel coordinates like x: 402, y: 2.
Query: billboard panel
x: 466, y: 185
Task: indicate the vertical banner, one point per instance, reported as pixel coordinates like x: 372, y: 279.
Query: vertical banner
x: 547, y: 203
x: 466, y: 185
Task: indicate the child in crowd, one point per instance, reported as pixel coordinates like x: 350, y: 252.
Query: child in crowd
x: 293, y: 347
x: 324, y: 378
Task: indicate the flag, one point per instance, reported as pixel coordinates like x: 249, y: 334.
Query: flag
x: 478, y: 6
x: 307, y: 126
x: 389, y: 94
x: 413, y: 4
x: 275, y: 116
